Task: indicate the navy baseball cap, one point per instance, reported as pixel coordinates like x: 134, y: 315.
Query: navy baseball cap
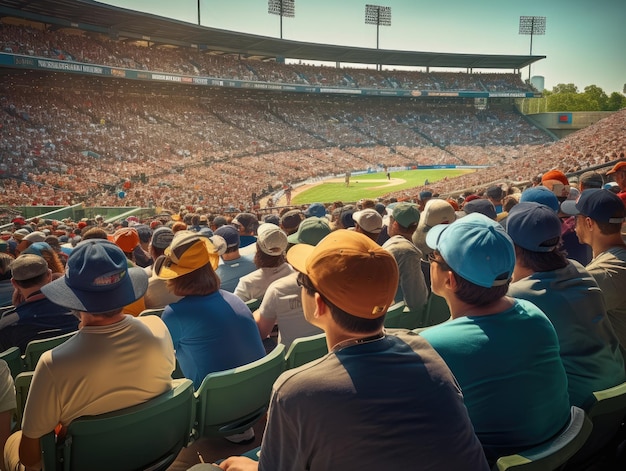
x: 534, y: 226
x: 598, y: 204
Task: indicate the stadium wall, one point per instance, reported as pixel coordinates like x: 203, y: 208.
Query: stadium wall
x: 567, y: 122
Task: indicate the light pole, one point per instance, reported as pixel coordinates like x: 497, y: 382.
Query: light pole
x: 532, y: 25
x: 283, y: 8
x: 379, y: 16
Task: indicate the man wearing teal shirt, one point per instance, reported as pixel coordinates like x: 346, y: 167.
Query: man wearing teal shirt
x: 504, y: 352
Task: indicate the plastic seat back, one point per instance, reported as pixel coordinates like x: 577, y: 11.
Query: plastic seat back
x: 306, y: 349
x: 554, y: 453
x: 22, y: 385
x: 36, y: 348
x: 13, y: 357
x: 231, y: 401
x: 147, y: 436
x: 607, y: 411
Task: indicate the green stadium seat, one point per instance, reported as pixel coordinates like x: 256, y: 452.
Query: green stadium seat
x: 36, y: 348
x: 553, y: 454
x: 147, y: 436
x: 305, y: 349
x: 231, y: 401
x: 13, y: 357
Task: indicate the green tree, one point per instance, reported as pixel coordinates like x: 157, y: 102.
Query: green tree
x: 596, y: 95
x: 616, y: 102
x: 565, y: 88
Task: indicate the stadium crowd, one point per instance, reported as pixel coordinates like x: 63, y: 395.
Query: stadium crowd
x: 70, y: 139
x: 547, y: 263
x: 74, y: 45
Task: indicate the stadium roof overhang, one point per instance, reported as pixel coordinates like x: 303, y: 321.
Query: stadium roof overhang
x: 120, y: 22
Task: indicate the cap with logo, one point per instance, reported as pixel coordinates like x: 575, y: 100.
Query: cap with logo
x: 97, y: 279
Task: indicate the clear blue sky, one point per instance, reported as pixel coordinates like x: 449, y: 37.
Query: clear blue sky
x: 585, y: 40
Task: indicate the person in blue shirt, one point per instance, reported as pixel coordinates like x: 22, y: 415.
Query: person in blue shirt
x: 212, y: 329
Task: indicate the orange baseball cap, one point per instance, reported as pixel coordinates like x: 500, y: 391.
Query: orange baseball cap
x: 617, y: 167
x: 350, y: 270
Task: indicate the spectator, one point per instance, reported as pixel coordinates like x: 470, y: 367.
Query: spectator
x: 412, y: 286
x: 599, y: 218
x: 212, y: 329
x: 282, y: 305
x: 247, y: 225
x: 570, y: 297
x: 619, y: 174
x: 368, y: 381
x: 234, y: 265
x: 7, y: 402
x: 6, y: 288
x: 368, y: 222
x: 436, y: 211
x: 157, y: 295
x: 505, y: 379
x: 270, y: 262
x: 36, y: 317
x: 95, y: 371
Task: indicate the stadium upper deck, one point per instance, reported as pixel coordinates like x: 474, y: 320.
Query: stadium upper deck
x: 111, y: 38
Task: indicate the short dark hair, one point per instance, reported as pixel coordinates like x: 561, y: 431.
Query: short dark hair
x: 475, y: 295
x: 36, y: 281
x: 345, y: 320
x: 263, y: 260
x: 607, y: 228
x: 540, y: 261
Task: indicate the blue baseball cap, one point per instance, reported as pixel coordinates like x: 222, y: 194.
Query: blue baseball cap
x: 541, y: 195
x: 598, y: 204
x: 97, y: 279
x: 476, y: 248
x: 534, y: 226
x: 315, y: 209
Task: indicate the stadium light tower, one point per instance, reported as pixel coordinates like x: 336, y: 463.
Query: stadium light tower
x: 379, y: 16
x: 532, y: 25
x: 282, y: 8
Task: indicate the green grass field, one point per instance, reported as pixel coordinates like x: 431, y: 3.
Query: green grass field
x: 373, y: 185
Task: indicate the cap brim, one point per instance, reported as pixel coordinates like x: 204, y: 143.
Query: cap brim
x: 432, y: 236
x: 129, y: 291
x: 569, y: 207
x: 293, y: 238
x: 298, y: 255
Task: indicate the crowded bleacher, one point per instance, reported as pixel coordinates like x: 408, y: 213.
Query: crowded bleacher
x: 465, y: 324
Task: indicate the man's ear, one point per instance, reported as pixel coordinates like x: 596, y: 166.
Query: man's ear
x: 321, y: 308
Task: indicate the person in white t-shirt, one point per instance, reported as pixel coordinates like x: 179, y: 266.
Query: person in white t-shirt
x: 269, y: 258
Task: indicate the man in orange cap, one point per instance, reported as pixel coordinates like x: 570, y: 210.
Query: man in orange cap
x: 322, y: 415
